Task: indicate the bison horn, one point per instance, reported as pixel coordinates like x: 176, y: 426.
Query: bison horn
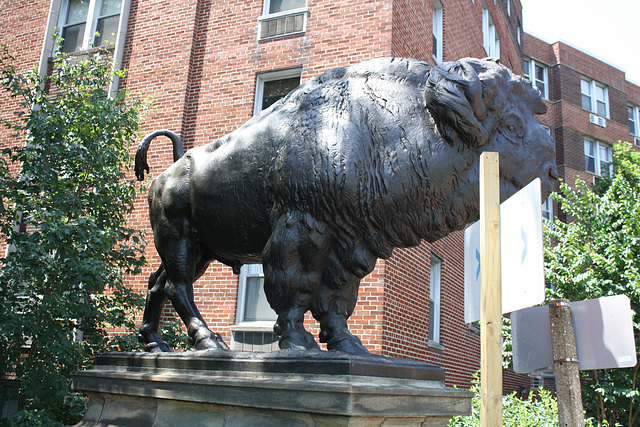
x: 474, y: 90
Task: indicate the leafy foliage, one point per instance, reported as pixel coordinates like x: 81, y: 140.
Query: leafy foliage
x: 539, y: 409
x: 63, y: 213
x: 597, y: 253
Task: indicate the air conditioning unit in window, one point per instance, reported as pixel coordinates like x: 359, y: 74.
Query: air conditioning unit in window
x: 636, y: 141
x: 283, y: 23
x: 597, y: 120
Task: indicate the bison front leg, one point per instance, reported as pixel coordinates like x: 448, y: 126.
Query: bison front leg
x: 293, y: 259
x: 332, y: 307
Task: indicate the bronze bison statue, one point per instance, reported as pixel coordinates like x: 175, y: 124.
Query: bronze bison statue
x: 346, y: 167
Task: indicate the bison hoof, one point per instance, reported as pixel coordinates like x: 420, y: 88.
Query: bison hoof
x: 349, y: 344
x: 212, y: 342
x: 157, y: 347
x: 153, y: 343
x: 301, y: 341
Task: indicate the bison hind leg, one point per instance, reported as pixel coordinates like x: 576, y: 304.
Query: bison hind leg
x: 148, y: 334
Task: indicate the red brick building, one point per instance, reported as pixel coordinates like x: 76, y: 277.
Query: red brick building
x: 209, y: 66
x: 591, y: 106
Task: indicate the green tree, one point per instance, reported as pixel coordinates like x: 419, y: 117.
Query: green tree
x: 64, y: 205
x: 539, y: 409
x: 596, y: 253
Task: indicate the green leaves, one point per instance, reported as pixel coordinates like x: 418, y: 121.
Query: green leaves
x: 597, y: 253
x: 63, y: 212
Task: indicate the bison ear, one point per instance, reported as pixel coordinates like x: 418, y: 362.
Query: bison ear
x: 453, y: 96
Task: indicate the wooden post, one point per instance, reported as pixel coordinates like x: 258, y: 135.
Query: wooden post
x: 565, y: 356
x: 490, y: 293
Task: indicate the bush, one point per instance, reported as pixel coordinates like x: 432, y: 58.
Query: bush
x: 63, y: 213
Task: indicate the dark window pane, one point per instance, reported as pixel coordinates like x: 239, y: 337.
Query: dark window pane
x: 276, y: 89
x: 108, y: 28
x: 72, y: 38
x: 590, y: 164
x: 586, y: 102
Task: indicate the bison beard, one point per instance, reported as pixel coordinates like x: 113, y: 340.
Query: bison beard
x: 345, y: 168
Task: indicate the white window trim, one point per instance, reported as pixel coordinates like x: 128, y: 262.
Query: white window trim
x: 267, y: 77
x: 247, y: 325
x: 593, y: 84
x: 636, y: 120
x: 530, y: 74
x: 59, y: 8
x: 435, y: 290
x: 438, y: 30
x: 597, y: 160
x: 547, y: 207
x: 490, y: 34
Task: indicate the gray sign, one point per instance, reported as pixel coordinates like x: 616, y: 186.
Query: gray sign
x: 603, y: 329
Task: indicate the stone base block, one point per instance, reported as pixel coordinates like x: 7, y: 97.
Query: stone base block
x: 223, y: 388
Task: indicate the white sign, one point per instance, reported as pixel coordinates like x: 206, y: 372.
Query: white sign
x: 522, y: 259
x: 603, y: 330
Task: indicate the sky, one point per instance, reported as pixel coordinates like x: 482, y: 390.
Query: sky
x: 608, y: 30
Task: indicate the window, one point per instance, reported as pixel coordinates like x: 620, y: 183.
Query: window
x: 282, y: 18
x: 252, y: 302
x: 254, y: 316
x: 595, y: 97
x: 434, y: 299
x: 547, y: 209
x: 79, y: 20
x: 270, y: 87
x: 634, y: 120
x: 536, y: 73
x: 598, y: 158
x: 437, y: 31
x: 490, y: 36
x: 509, y: 7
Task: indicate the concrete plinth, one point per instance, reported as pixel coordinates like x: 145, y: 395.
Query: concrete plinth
x: 224, y: 388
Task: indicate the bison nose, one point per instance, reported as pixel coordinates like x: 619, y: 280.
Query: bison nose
x: 550, y: 180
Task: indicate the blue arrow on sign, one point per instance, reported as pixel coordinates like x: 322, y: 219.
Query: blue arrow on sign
x: 524, y: 239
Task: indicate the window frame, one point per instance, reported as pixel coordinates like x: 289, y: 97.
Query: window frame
x: 260, y: 325
x: 635, y: 112
x: 597, y: 160
x: 48, y: 47
x: 547, y: 209
x: 530, y: 65
x: 593, y: 100
x: 437, y: 31
x: 267, y: 16
x: 435, y: 301
x: 91, y: 22
x: 269, y: 77
x: 241, y: 309
x: 490, y: 34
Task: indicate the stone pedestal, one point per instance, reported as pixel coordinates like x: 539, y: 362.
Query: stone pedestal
x: 224, y: 388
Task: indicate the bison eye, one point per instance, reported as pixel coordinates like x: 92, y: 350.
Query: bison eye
x: 512, y: 128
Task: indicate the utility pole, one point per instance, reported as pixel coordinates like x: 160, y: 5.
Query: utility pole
x: 565, y: 363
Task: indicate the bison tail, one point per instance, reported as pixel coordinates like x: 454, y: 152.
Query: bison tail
x: 141, y: 164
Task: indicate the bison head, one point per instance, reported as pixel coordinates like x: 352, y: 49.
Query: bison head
x: 481, y: 105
